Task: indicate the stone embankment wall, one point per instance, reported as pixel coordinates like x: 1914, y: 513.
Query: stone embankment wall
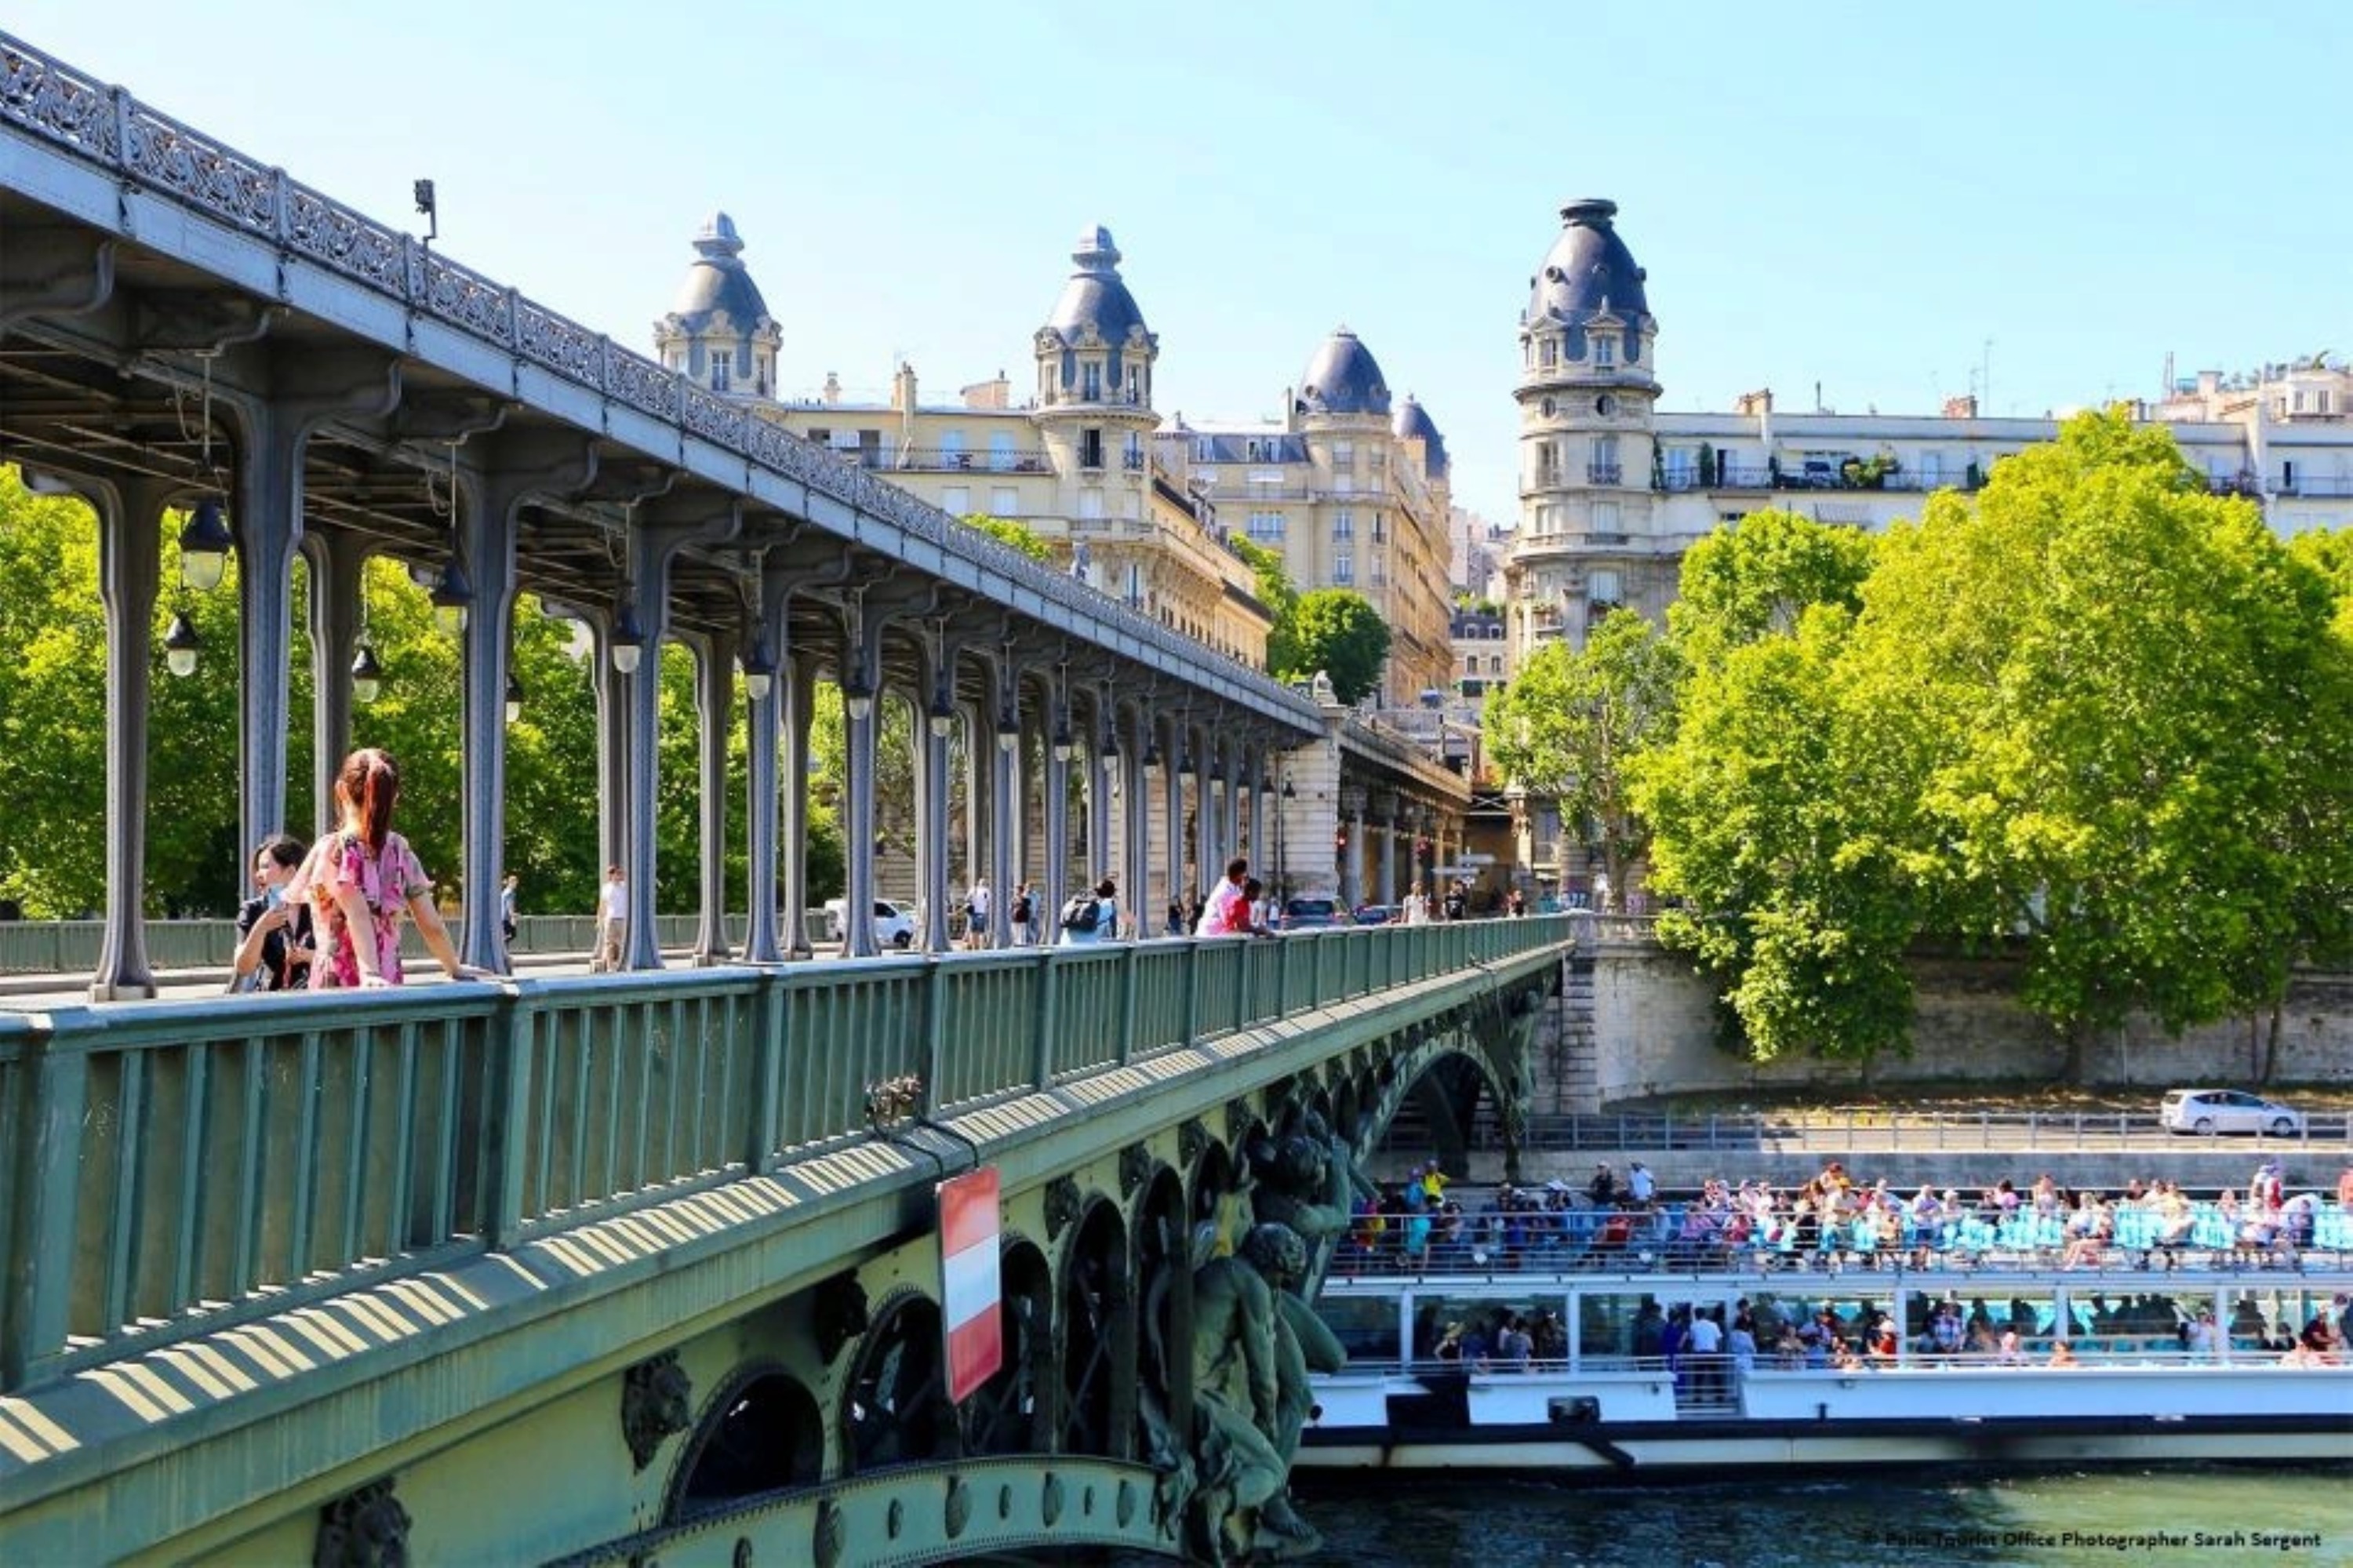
x: 1652, y: 1024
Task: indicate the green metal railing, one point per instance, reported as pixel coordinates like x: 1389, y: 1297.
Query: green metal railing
x: 71, y: 947
x: 172, y: 1167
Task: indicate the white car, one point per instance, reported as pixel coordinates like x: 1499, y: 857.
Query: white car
x: 894, y: 923
x: 2210, y: 1111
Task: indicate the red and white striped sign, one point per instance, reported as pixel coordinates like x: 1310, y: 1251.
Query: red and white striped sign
x: 969, y: 1286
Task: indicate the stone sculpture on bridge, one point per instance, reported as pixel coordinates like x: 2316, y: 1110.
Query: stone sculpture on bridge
x: 1254, y: 1341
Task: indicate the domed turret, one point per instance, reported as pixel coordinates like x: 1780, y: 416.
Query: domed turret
x: 1413, y: 423
x: 1588, y: 270
x: 1096, y: 296
x: 718, y: 279
x: 1342, y: 378
x: 719, y: 330
x: 1094, y: 348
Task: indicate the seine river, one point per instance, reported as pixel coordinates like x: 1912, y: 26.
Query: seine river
x: 2201, y: 1519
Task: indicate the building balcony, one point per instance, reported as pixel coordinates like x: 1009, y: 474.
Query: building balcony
x: 953, y: 460
x: 2315, y: 487
x: 1078, y: 398
x: 1603, y: 473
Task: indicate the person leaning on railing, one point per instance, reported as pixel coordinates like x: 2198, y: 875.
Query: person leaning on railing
x: 363, y: 878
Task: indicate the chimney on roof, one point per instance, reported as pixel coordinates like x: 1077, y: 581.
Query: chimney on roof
x: 996, y: 394
x: 902, y: 388
x: 1961, y: 408
x: 1751, y: 404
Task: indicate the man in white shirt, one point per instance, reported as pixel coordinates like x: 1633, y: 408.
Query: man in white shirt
x: 1219, y: 917
x: 1703, y: 1345
x: 1641, y: 1185
x: 612, y: 921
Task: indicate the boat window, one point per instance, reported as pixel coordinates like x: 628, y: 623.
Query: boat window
x: 1365, y: 1326
x: 1470, y: 1329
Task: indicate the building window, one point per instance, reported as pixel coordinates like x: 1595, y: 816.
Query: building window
x: 1091, y: 449
x: 1605, y: 519
x: 1090, y: 381
x: 1132, y: 458
x: 1605, y: 348
x: 1681, y: 462
x: 1344, y: 455
x: 1000, y: 451
x: 1932, y: 468
x: 1343, y: 525
x: 1380, y: 577
x: 1091, y: 505
x: 1005, y: 501
x: 1256, y: 451
x: 1343, y: 568
x: 1205, y: 449
x: 1380, y: 530
x: 956, y: 501
x: 722, y: 361
x: 951, y: 453
x: 1603, y: 470
x: 1604, y: 591
x: 1495, y: 663
x: 1549, y: 353
x: 1266, y: 525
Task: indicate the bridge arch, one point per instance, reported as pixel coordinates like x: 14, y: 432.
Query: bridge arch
x: 760, y: 1431
x: 1097, y: 1331
x: 1013, y: 1413
x: 895, y: 1408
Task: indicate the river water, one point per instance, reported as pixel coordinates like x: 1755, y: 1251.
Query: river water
x: 2209, y: 1518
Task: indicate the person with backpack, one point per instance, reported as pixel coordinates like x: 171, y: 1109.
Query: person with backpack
x: 1090, y: 917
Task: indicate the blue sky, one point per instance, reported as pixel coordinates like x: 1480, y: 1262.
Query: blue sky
x: 1854, y: 195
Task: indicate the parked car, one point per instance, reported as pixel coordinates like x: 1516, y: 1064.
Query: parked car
x: 1375, y: 914
x: 1311, y: 914
x: 2210, y: 1111
x: 894, y: 923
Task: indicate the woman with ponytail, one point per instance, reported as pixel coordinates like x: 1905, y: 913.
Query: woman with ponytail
x: 361, y: 877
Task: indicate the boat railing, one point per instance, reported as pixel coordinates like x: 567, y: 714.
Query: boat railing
x: 1716, y: 1377
x: 1843, y: 1130
x: 1672, y: 1238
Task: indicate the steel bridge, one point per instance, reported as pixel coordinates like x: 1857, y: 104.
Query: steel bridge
x: 645, y: 1264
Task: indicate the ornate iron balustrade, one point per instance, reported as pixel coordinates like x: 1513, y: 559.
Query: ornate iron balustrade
x: 181, y: 1167
x: 84, y: 118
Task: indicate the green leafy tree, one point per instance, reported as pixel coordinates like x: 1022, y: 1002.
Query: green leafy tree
x: 1276, y: 592
x: 1775, y: 822
x: 2131, y: 699
x: 1758, y: 575
x: 1338, y: 632
x: 1016, y: 534
x: 1571, y: 720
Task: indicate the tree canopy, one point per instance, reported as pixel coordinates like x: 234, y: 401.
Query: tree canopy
x: 1572, y: 719
x: 2092, y: 714
x: 52, y: 739
x: 1338, y: 632
x: 1013, y: 533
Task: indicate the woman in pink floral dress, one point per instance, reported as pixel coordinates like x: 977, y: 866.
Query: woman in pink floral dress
x: 362, y: 877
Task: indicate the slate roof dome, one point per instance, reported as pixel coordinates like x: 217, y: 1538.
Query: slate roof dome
x: 717, y: 280
x: 1588, y: 267
x: 1413, y: 423
x: 1344, y: 378
x: 1095, y: 296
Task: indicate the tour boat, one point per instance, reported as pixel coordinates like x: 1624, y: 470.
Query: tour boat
x: 1432, y: 1384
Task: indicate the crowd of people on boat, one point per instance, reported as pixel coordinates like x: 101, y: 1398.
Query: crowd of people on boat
x: 1838, y: 1219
